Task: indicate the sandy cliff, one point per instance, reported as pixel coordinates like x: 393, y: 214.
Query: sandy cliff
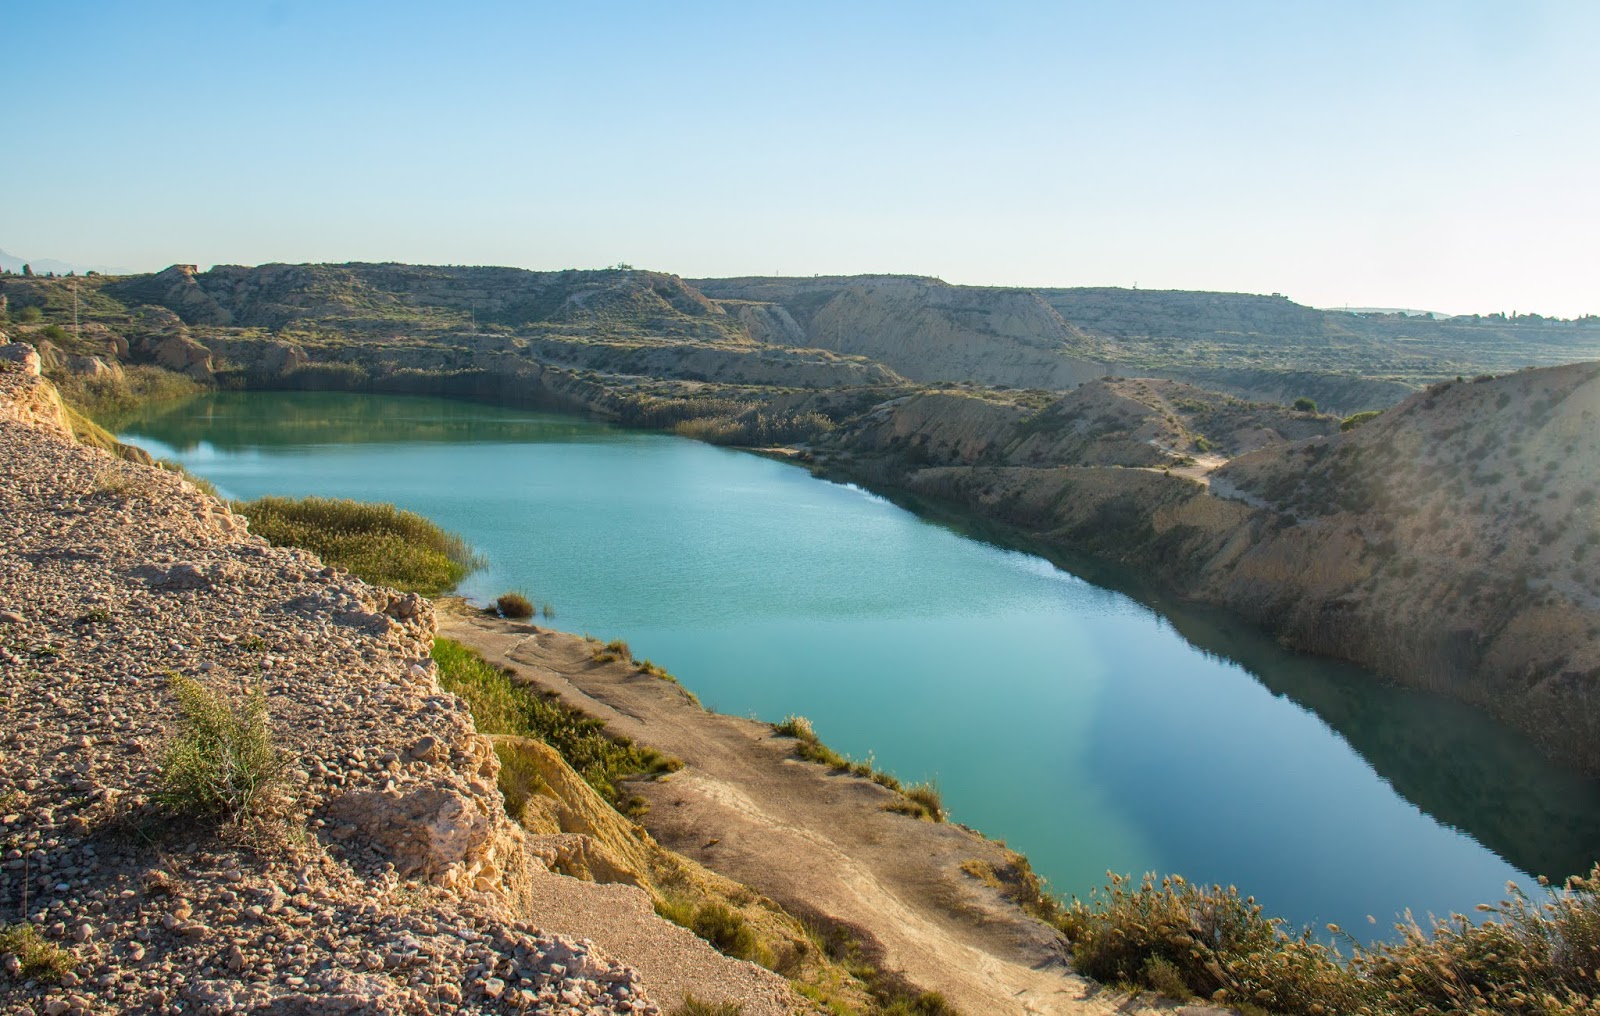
x: 1449, y: 544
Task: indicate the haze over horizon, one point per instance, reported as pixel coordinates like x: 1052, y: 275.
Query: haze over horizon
x: 1436, y: 155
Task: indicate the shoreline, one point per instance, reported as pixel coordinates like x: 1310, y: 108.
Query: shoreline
x: 933, y: 900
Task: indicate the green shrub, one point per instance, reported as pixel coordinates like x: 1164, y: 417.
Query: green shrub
x: 376, y: 542
x: 41, y: 959
x: 222, y: 759
x: 29, y: 315
x: 1357, y: 419
x: 727, y: 930
x: 500, y: 705
x: 514, y: 605
x: 1305, y: 405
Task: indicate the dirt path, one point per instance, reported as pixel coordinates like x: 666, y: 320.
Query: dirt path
x: 816, y: 841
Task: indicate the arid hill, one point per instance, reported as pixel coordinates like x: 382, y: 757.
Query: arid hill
x: 1447, y: 543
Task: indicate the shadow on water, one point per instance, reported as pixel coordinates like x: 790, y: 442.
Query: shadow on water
x: 1452, y: 761
x: 237, y: 421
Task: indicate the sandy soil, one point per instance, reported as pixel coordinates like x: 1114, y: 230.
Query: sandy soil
x: 816, y: 841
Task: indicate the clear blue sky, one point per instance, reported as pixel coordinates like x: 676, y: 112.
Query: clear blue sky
x: 1443, y: 155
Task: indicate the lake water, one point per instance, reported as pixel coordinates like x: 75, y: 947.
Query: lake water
x: 1077, y: 724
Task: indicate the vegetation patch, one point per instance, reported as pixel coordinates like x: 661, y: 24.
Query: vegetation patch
x: 1180, y: 939
x: 378, y: 543
x: 109, y: 397
x: 692, y: 1006
x: 499, y: 705
x: 514, y: 605
x: 920, y: 800
x: 39, y: 958
x: 520, y: 778
x: 1355, y: 420
x: 222, y: 759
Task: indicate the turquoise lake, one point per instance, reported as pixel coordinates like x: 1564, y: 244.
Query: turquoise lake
x: 1076, y: 723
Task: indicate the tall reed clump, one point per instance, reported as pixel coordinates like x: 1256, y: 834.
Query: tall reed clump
x: 378, y: 543
x: 1539, y: 958
x: 222, y: 759
x: 514, y: 604
x: 499, y: 705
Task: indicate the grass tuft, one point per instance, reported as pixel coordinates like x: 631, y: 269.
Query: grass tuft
x: 693, y: 1006
x: 378, y: 543
x: 222, y: 759
x: 41, y: 959
x: 514, y: 605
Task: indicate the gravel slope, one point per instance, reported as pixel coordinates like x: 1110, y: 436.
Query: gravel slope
x: 394, y: 882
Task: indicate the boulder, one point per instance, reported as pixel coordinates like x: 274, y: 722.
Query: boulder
x: 21, y: 352
x: 436, y: 833
x: 93, y: 366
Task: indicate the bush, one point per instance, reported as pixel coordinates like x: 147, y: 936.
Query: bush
x: 29, y: 315
x: 222, y: 760
x: 378, y: 543
x: 1305, y: 405
x: 1357, y: 419
x: 514, y: 604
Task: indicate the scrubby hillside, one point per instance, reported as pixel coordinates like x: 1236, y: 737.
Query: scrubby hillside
x: 1450, y: 542
x: 1470, y: 521
x: 1107, y: 422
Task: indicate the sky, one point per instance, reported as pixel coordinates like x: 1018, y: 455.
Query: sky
x: 1434, y: 155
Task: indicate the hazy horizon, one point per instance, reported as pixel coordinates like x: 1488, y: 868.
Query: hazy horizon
x: 1435, y: 156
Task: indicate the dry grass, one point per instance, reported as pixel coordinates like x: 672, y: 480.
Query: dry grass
x: 1534, y: 957
x: 514, y: 604
x: 920, y: 800
x: 222, y: 759
x: 376, y: 542
x: 41, y: 959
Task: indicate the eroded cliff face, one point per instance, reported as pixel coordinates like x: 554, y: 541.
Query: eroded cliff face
x: 924, y: 329
x: 1452, y: 543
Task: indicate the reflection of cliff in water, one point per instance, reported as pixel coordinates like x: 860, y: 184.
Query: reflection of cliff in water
x: 234, y: 421
x: 1454, y: 762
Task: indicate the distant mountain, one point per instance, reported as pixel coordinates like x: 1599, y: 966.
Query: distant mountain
x: 40, y: 266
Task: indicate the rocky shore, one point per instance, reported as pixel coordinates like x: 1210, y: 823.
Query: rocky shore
x: 389, y: 881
